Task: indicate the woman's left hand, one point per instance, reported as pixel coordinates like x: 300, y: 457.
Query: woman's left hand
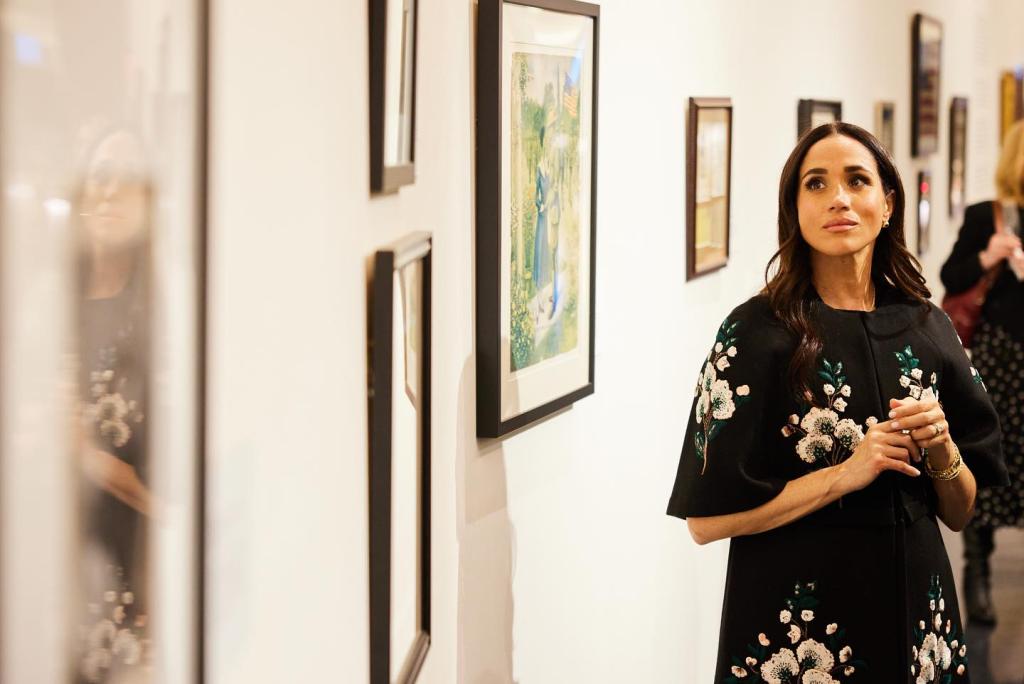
x: 923, y: 417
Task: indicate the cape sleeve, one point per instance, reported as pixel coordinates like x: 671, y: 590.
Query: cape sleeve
x: 973, y: 421
x: 733, y: 417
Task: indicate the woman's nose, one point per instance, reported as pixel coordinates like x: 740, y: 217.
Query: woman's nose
x: 841, y: 200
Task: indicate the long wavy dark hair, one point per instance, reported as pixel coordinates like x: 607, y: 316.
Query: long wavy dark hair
x: 791, y: 291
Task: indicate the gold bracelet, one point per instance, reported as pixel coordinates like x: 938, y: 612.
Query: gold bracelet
x: 949, y: 473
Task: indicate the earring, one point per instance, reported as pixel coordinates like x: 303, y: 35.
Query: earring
x: 885, y: 224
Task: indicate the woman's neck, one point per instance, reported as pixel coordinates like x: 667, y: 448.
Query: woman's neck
x: 108, y: 274
x: 844, y: 282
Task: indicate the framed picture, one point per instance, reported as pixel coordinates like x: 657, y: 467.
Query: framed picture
x: 536, y: 97
x: 885, y: 125
x: 399, y: 404
x: 924, y: 211
x: 103, y: 371
x: 392, y: 93
x: 1011, y: 100
x: 957, y: 155
x: 926, y: 65
x: 812, y: 113
x: 708, y: 174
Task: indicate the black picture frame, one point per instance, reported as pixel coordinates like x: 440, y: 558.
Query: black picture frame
x: 388, y: 177
x: 957, y: 156
x: 381, y: 356
x: 694, y: 266
x: 808, y: 110
x: 926, y: 82
x: 925, y: 210
x: 490, y: 267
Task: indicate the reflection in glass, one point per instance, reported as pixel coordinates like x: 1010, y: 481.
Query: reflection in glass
x: 400, y: 69
x: 111, y: 306
x: 406, y: 463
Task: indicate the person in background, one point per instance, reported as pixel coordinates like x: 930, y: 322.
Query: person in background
x: 997, y: 349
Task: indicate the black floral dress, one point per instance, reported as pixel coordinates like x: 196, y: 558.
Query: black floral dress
x: 861, y: 590
x: 113, y: 641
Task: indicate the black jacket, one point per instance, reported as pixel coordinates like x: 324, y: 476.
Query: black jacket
x: 1004, y: 305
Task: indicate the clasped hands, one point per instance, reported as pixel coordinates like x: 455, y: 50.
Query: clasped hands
x: 923, y: 420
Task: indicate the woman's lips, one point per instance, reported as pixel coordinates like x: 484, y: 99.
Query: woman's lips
x: 843, y: 227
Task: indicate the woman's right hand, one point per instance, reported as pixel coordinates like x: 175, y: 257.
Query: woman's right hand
x: 1000, y: 246
x: 881, y: 449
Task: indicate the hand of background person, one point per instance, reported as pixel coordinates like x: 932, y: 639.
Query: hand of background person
x: 883, y: 448
x: 1000, y: 246
x: 113, y: 475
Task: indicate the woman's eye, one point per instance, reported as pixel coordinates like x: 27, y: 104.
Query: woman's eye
x: 859, y: 181
x: 814, y: 184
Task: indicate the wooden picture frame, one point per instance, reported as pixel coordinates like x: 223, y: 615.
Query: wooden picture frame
x: 393, y: 44
x: 1011, y: 100
x: 536, y: 209
x: 885, y: 125
x: 399, y: 460
x: 813, y: 113
x: 708, y: 184
x: 957, y: 156
x: 926, y: 81
x: 924, y: 211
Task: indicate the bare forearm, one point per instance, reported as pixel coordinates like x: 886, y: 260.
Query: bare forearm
x: 956, y: 496
x: 799, y: 498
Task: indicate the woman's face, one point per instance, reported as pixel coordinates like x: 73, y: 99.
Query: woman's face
x: 115, y: 195
x: 841, y: 202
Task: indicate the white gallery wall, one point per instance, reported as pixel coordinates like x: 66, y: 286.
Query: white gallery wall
x: 553, y: 560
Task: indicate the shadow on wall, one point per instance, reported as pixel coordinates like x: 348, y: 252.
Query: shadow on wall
x: 486, y: 541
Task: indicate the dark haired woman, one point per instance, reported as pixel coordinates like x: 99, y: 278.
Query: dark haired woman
x: 817, y: 443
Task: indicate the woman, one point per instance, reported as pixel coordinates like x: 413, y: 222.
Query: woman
x: 997, y: 349
x: 113, y: 354
x: 817, y: 444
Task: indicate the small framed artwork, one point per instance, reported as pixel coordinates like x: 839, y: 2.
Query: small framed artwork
x: 885, y: 125
x: 926, y: 66
x: 957, y: 155
x: 924, y: 211
x: 392, y: 94
x: 399, y: 467
x: 1011, y: 100
x: 708, y: 174
x: 536, y: 99
x: 812, y: 113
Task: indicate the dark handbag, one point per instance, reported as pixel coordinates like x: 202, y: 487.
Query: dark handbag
x: 964, y: 308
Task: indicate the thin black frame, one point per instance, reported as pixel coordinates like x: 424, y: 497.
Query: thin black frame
x: 489, y: 102
x: 924, y: 232
x: 384, y: 178
x: 697, y: 104
x: 917, y: 146
x: 956, y: 105
x: 381, y: 310
x: 806, y: 108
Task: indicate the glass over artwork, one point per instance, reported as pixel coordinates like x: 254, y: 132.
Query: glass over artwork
x: 711, y: 213
x: 546, y: 193
x: 400, y: 74
x: 406, y: 471
x: 102, y: 272
x: 928, y: 60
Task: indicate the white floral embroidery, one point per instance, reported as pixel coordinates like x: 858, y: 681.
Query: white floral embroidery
x: 782, y: 664
x: 815, y: 655
x: 715, y: 402
x: 825, y: 438
x: 911, y: 376
x: 934, y: 656
x: 805, y: 660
